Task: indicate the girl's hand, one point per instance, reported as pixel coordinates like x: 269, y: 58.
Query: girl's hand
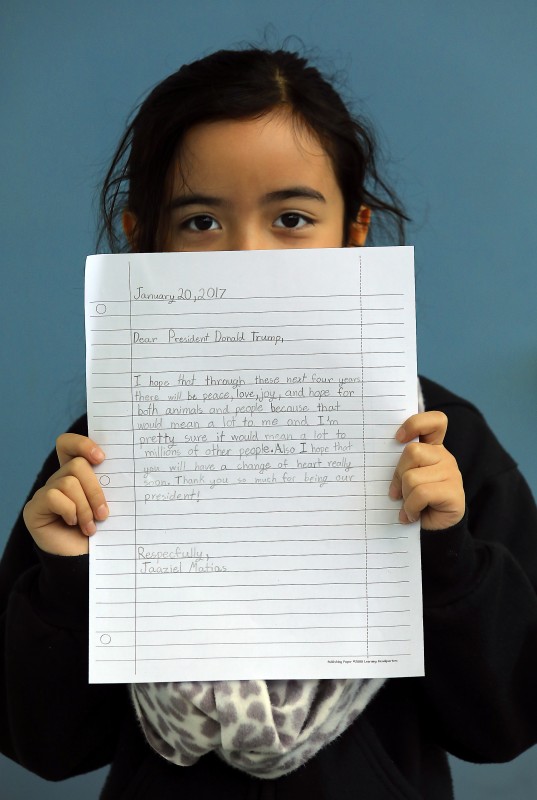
x: 61, y: 515
x: 427, y: 477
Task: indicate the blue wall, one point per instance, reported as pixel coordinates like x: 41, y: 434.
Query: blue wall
x: 452, y: 87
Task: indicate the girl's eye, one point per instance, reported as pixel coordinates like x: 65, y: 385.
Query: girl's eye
x: 292, y: 219
x: 201, y: 223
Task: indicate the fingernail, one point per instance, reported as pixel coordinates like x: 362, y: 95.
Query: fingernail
x: 393, y: 492
x: 403, y: 517
x: 102, y: 512
x: 401, y: 434
x: 90, y: 528
x: 97, y: 454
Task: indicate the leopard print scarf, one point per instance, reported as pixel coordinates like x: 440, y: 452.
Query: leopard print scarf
x: 264, y: 728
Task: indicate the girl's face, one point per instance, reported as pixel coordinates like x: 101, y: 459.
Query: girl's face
x: 253, y: 184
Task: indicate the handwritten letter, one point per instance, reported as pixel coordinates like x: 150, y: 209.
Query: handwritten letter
x: 247, y: 403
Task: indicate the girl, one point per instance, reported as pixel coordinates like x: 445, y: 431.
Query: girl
x: 255, y: 150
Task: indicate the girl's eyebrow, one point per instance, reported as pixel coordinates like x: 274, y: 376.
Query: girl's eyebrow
x: 294, y: 191
x: 195, y: 200
x: 271, y: 197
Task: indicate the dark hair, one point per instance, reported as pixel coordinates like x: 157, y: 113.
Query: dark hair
x: 236, y: 84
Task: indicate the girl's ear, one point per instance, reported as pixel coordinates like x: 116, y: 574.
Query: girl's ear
x: 358, y: 229
x: 128, y: 221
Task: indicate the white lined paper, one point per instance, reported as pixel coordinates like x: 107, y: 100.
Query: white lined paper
x: 247, y: 403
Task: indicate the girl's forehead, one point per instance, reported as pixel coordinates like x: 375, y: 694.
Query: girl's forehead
x: 281, y: 119
x: 276, y: 145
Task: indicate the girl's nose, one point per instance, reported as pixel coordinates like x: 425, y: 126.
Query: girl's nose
x: 248, y: 237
